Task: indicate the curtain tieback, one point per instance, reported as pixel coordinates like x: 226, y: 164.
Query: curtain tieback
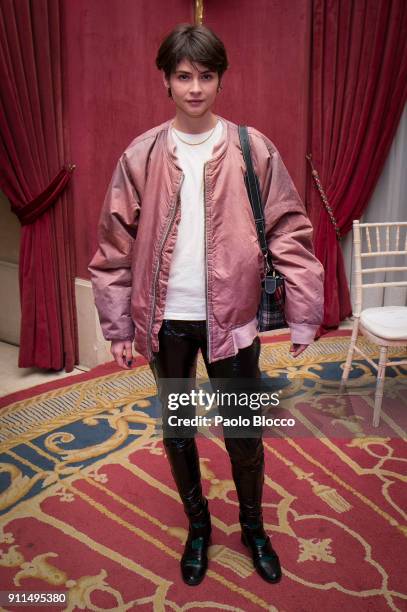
x: 324, y: 199
x: 36, y: 207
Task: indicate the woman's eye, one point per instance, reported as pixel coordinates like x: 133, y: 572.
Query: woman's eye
x: 204, y: 77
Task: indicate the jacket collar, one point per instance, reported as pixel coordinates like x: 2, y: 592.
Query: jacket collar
x: 219, y: 149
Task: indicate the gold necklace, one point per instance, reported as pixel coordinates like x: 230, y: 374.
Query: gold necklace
x: 194, y: 144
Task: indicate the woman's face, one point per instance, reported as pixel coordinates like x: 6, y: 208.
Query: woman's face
x: 193, y: 88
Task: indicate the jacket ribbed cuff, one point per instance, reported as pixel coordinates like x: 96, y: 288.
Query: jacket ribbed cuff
x: 302, y: 333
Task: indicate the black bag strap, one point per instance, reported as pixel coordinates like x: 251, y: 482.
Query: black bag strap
x: 253, y: 191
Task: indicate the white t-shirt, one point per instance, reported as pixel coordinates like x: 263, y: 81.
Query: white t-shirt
x: 186, y: 292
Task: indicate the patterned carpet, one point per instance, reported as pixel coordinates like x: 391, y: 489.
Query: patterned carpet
x: 89, y: 507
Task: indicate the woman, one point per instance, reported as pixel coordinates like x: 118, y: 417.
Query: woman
x: 179, y: 269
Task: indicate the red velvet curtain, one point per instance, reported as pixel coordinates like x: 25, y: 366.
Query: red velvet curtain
x: 358, y: 91
x: 32, y: 155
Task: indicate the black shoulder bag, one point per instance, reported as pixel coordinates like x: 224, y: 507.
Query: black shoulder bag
x: 270, y: 314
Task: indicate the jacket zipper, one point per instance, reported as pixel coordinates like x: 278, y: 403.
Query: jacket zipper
x: 162, y: 244
x: 208, y: 336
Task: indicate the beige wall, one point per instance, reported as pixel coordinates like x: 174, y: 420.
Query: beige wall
x: 9, y: 232
x: 10, y: 298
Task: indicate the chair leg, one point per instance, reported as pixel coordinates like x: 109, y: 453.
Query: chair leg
x: 348, y: 363
x: 381, y: 374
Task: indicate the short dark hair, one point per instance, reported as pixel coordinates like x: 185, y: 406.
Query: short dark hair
x: 196, y: 43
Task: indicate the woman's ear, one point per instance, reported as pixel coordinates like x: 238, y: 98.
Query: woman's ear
x: 167, y: 85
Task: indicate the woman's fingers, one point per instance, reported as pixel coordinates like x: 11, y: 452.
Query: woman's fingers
x: 122, y: 353
x: 297, y: 349
x: 128, y: 354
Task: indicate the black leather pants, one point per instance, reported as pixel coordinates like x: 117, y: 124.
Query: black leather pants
x: 180, y: 342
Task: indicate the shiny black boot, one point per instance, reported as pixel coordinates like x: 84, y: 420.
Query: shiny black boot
x: 194, y: 562
x: 247, y: 458
x: 183, y: 457
x: 265, y: 558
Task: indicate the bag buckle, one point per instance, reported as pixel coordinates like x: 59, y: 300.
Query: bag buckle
x: 270, y: 284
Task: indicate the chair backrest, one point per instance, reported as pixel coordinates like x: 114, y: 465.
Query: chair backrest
x: 386, y: 242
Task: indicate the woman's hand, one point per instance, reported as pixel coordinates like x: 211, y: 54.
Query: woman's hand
x: 122, y: 353
x: 297, y: 349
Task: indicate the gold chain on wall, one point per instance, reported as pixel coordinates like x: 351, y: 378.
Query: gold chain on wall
x: 324, y: 198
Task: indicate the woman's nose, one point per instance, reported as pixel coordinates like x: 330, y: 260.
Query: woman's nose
x: 196, y: 86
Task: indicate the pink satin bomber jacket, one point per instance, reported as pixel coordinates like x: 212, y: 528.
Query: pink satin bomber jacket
x: 138, y: 229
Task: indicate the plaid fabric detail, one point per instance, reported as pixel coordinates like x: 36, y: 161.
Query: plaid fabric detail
x: 270, y: 314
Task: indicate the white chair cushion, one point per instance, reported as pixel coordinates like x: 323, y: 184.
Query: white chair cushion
x: 388, y: 322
